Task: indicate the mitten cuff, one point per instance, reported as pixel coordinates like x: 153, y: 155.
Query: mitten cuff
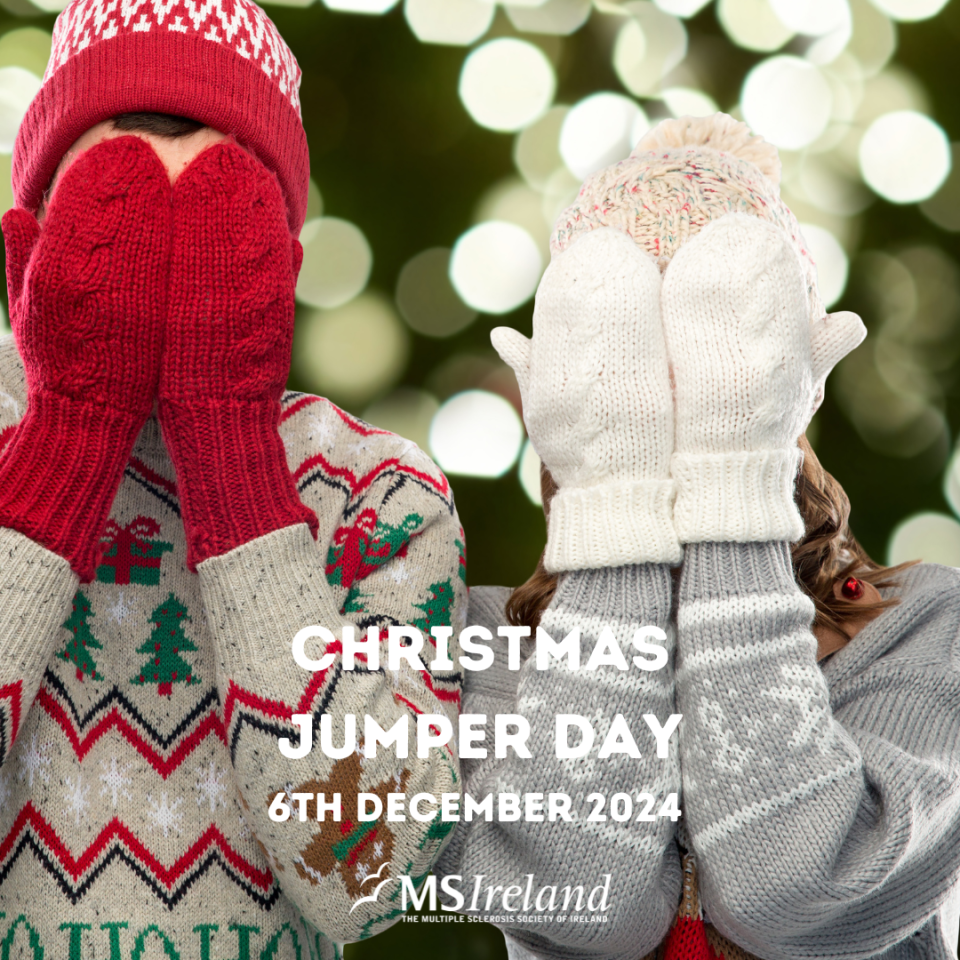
x: 612, y: 525
x: 232, y: 475
x: 738, y: 497
x: 60, y: 473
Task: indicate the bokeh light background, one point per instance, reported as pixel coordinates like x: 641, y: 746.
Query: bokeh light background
x: 445, y: 137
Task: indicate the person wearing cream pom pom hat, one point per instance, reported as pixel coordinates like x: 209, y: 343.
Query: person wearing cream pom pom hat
x: 679, y: 350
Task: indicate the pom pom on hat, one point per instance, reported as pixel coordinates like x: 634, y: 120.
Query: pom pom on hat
x: 719, y: 132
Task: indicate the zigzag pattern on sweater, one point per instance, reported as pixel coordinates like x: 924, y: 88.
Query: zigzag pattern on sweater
x: 164, y: 490
x: 246, y: 709
x: 345, y: 479
x: 76, y: 875
x: 115, y: 711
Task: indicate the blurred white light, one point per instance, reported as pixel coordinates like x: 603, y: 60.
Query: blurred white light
x: 17, y: 88
x: 455, y: 22
x: 361, y: 6
x: 874, y: 37
x: 314, y: 201
x: 354, y: 352
x: 558, y: 193
x: 951, y: 482
x: 506, y: 84
x: 681, y: 8
x: 426, y: 298
x: 831, y: 187
x: 536, y: 151
x: 6, y: 187
x: 495, y: 266
x: 910, y: 9
x: 599, y: 131
x: 753, y: 25
x: 890, y: 90
x: 641, y: 124
x: 831, y: 260
x: 530, y: 473
x: 943, y: 208
x: 50, y: 6
x: 649, y: 45
x: 827, y: 48
x: 406, y: 412
x: 812, y: 17
x: 514, y: 201
x: 27, y: 47
x: 476, y: 433
x: 787, y: 100
x: 685, y: 102
x: 336, y: 262
x: 557, y: 17
x: 904, y: 156
x: 931, y: 537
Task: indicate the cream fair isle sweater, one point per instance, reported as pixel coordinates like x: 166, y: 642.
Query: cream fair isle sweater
x: 139, y: 714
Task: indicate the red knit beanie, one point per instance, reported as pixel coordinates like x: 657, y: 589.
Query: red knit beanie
x: 220, y: 62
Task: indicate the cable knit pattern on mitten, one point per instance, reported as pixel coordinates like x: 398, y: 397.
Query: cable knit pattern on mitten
x: 227, y: 355
x: 736, y: 322
x: 596, y: 401
x: 749, y: 364
x: 87, y: 297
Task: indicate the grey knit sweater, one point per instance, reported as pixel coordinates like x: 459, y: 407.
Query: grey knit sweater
x: 822, y: 802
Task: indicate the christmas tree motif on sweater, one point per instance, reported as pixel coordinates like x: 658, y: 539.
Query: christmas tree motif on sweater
x: 165, y: 666
x: 356, y: 551
x: 129, y: 556
x: 354, y: 601
x: 83, y: 641
x: 436, y: 609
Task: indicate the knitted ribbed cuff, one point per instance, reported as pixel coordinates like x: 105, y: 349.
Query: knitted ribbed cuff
x: 612, y: 525
x: 60, y: 473
x: 737, y: 496
x: 232, y: 475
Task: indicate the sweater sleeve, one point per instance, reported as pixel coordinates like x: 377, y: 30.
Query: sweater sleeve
x: 640, y: 857
x: 818, y: 830
x: 36, y: 587
x: 390, y: 560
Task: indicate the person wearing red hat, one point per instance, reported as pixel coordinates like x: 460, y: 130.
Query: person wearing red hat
x: 170, y: 519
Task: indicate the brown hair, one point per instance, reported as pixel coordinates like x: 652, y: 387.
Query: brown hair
x: 159, y: 124
x: 827, y: 552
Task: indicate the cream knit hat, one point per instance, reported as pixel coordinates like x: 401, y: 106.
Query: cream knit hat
x: 681, y: 175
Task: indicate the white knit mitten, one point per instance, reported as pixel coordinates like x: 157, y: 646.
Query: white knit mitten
x: 748, y: 367
x: 597, y: 404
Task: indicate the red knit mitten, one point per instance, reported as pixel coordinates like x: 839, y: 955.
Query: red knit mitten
x: 87, y: 301
x: 227, y: 353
